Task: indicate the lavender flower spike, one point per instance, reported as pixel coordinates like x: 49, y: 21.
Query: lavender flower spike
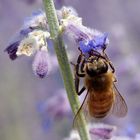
x: 40, y: 64
x: 86, y: 38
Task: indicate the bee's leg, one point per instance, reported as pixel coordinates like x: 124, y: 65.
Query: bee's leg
x: 82, y: 66
x: 77, y: 74
x: 111, y: 65
x: 77, y: 66
x: 82, y: 61
x: 74, y: 65
x: 81, y: 91
x: 76, y: 78
x: 115, y: 80
x: 76, y: 69
x: 109, y: 62
x: 76, y: 82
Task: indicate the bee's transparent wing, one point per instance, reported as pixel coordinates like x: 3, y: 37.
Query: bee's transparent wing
x: 82, y: 110
x: 119, y: 107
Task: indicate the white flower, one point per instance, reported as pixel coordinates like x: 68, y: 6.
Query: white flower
x: 40, y: 37
x: 37, y: 33
x: 68, y: 15
x: 65, y: 12
x: 27, y: 47
x: 33, y: 42
x: 71, y: 20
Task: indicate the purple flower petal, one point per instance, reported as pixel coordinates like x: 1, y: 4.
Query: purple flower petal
x: 77, y: 33
x: 103, y: 131
x: 98, y: 43
x: 84, y: 47
x: 26, y: 31
x: 12, y: 49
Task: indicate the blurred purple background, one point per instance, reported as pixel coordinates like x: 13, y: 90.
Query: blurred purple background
x: 25, y: 100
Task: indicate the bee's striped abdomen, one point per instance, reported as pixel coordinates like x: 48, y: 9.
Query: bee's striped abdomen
x: 100, y: 104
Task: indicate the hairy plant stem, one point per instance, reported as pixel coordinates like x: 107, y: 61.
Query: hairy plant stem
x: 65, y: 67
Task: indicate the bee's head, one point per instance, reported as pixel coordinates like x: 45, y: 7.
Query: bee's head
x: 96, y: 67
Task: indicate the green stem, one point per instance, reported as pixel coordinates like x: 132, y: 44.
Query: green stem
x: 65, y: 67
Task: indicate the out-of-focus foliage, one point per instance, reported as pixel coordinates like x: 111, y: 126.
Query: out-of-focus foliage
x: 22, y: 94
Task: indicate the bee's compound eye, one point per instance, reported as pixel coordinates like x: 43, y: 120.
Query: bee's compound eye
x: 104, y: 68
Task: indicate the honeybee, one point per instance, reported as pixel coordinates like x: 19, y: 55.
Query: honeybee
x: 102, y: 95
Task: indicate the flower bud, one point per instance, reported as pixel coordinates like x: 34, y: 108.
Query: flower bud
x: 66, y: 12
x: 40, y: 64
